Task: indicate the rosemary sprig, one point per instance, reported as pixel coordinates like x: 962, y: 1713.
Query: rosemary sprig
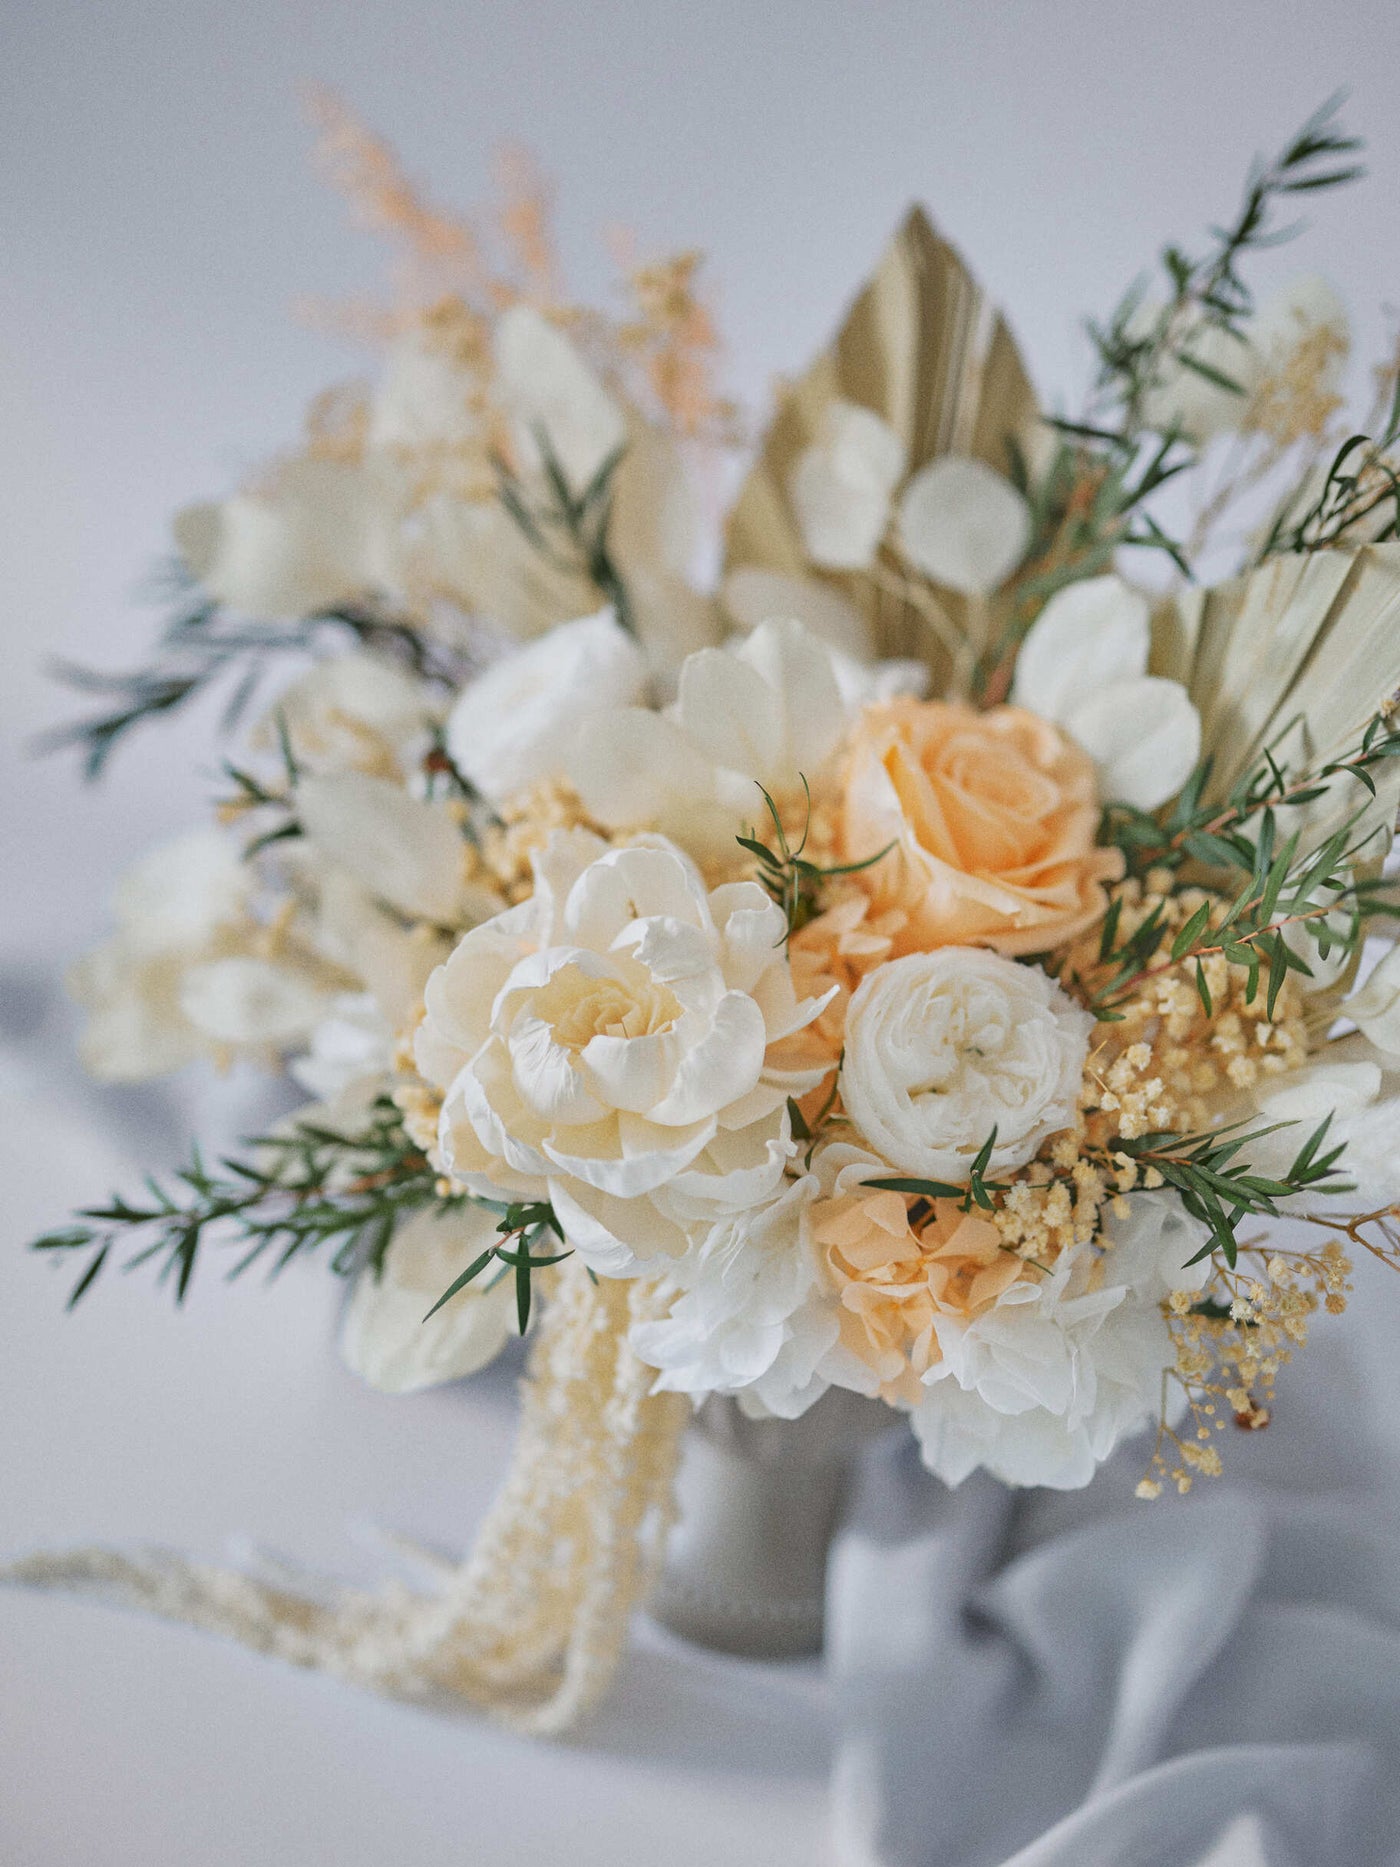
x: 294, y: 1191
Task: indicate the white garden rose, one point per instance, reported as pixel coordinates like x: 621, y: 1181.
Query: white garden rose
x: 942, y: 1046
x: 608, y: 1044
x: 1083, y: 664
x: 352, y: 712
x: 517, y: 723
x: 389, y: 1339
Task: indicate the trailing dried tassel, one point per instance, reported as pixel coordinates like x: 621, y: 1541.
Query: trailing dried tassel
x: 532, y: 1625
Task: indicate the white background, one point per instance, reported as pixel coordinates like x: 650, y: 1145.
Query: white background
x: 157, y: 224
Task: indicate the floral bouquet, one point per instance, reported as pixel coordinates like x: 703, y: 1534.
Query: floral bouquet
x: 921, y: 962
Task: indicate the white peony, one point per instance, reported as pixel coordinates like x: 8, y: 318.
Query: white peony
x: 942, y: 1046
x: 385, y: 1337
x: 606, y: 1044
x: 1040, y: 1388
x: 351, y: 1044
x: 517, y: 723
x: 767, y: 711
x: 841, y: 488
x: 749, y: 1316
x: 963, y: 525
x: 1083, y: 664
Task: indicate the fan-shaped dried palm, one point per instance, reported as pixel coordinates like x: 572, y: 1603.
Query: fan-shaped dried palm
x: 924, y: 348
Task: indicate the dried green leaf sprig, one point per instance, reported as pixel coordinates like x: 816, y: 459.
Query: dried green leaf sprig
x: 790, y: 879
x: 570, y: 530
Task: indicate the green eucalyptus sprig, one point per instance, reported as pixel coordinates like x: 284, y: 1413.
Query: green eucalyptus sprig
x: 1283, y: 891
x: 295, y: 1190
x: 1225, y: 835
x: 789, y: 878
x: 978, y: 1190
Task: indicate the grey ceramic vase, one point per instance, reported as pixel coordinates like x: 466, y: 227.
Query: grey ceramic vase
x: 758, y: 1503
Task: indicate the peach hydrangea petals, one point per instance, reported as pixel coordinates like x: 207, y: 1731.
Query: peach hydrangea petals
x: 993, y: 816
x: 890, y: 1281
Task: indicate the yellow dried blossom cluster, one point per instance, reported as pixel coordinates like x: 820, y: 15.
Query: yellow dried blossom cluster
x: 1295, y: 401
x: 1169, y: 1064
x: 500, y: 859
x: 1231, y: 1340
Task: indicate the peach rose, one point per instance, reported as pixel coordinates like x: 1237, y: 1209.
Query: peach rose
x: 891, y: 1281
x: 993, y: 816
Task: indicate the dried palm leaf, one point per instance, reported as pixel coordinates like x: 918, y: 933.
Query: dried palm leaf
x: 1302, y: 653
x: 924, y: 348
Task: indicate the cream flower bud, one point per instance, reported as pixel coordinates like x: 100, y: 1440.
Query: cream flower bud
x: 942, y: 1046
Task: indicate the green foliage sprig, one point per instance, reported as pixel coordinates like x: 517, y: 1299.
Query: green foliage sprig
x: 788, y: 877
x: 1210, y: 293
x: 570, y: 530
x: 977, y: 1192
x: 524, y: 1226
x: 202, y: 647
x: 1216, y: 1187
x: 296, y: 1190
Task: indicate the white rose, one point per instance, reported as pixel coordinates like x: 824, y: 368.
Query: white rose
x: 605, y: 1044
x: 1083, y: 664
x: 352, y: 712
x: 942, y: 1046
x: 840, y: 489
x: 518, y: 721
x: 389, y: 1339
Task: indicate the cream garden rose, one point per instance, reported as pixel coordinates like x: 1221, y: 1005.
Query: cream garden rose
x: 942, y: 1046
x: 611, y: 1044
